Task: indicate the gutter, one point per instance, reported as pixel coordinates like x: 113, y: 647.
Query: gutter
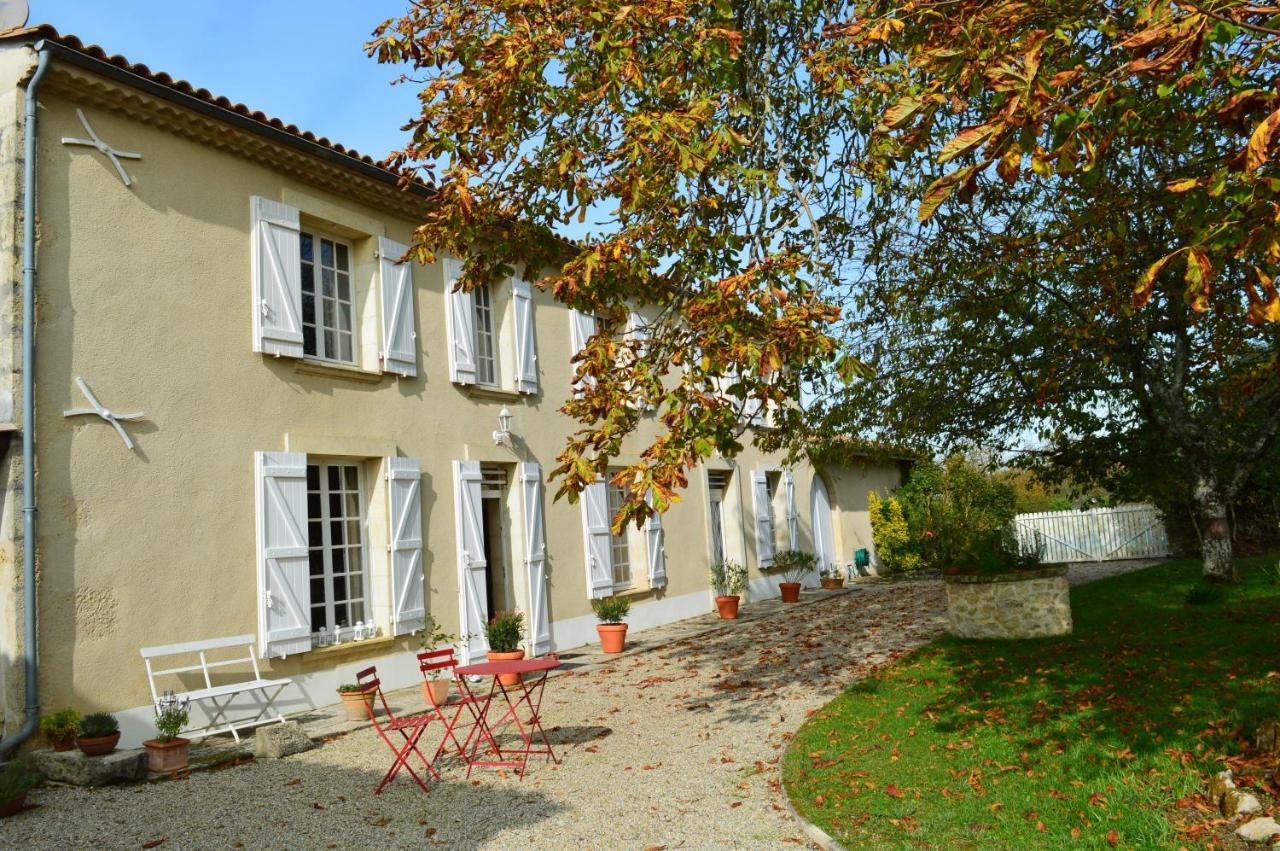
x: 30, y: 658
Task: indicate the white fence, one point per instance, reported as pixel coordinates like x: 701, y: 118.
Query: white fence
x: 1099, y: 534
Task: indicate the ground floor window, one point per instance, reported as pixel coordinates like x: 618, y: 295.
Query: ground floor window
x: 620, y: 545
x: 335, y: 532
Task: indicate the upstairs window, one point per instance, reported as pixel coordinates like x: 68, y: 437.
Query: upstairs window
x: 486, y: 338
x: 327, y: 303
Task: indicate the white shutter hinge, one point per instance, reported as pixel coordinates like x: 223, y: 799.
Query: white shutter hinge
x: 267, y: 599
x: 265, y: 308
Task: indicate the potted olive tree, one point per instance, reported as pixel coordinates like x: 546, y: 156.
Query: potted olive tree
x: 612, y: 631
x: 99, y: 734
x: 168, y: 753
x: 504, y: 632
x: 729, y: 580
x: 16, y: 779
x: 60, y: 729
x: 795, y: 566
x: 357, y: 701
x: 435, y: 687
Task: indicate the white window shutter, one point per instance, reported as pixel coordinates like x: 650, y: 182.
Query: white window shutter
x: 596, y: 523
x: 656, y: 541
x: 764, y: 517
x: 399, y: 331
x: 277, y: 278
x: 793, y: 517
x: 461, y: 312
x: 404, y: 512
x: 581, y: 327
x: 526, y: 341
x: 473, y: 611
x: 535, y: 559
x: 284, y: 574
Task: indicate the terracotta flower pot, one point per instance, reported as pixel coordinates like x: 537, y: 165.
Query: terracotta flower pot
x: 728, y: 607
x: 435, y: 692
x: 357, y: 703
x: 64, y: 744
x: 98, y: 745
x: 495, y: 656
x: 9, y: 808
x: 790, y: 591
x: 613, y: 636
x: 832, y: 584
x: 167, y: 757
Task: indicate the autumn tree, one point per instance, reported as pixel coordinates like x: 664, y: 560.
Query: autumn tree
x: 689, y: 142
x: 1097, y: 237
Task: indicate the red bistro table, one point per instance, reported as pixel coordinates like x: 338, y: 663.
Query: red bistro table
x: 529, y: 695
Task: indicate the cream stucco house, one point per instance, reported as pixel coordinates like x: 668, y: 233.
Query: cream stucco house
x: 314, y: 447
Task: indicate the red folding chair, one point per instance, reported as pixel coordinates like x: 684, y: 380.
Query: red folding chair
x: 439, y: 660
x: 410, y: 728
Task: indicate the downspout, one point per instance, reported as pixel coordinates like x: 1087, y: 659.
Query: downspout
x: 29, y: 409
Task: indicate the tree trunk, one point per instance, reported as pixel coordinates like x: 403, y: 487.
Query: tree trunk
x: 1215, y: 529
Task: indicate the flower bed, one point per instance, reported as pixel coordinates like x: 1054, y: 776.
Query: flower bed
x: 1021, y: 604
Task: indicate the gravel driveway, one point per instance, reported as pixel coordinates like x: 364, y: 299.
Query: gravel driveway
x: 677, y: 748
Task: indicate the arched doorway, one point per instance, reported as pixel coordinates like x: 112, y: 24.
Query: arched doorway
x: 824, y: 542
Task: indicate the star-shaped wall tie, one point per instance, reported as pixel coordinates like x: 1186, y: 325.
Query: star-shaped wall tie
x: 111, y: 153
x: 100, y: 411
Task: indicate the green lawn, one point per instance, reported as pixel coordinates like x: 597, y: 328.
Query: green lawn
x: 1049, y: 743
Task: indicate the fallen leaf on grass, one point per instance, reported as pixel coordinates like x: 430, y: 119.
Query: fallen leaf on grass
x: 893, y: 791
x: 1113, y: 838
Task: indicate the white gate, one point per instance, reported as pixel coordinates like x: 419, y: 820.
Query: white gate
x: 1098, y: 534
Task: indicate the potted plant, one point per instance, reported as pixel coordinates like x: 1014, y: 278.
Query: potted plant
x: 357, y: 701
x: 99, y: 733
x: 168, y: 752
x: 435, y: 688
x: 16, y: 779
x: 832, y: 578
x: 60, y: 729
x: 729, y: 580
x: 612, y: 631
x: 795, y: 565
x: 504, y: 631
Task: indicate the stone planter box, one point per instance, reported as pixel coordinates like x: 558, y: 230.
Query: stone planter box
x: 1025, y: 604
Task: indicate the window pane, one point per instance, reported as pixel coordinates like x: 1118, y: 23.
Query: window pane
x: 313, y: 476
x: 344, y: 348
x: 353, y: 531
x: 305, y: 247
x: 326, y: 253
x: 317, y: 592
x: 319, y: 619
x: 342, y: 257
x: 316, y: 558
x: 308, y: 308
x: 308, y: 278
x: 335, y: 505
x: 353, y: 505
x: 352, y: 474
x: 340, y: 615
x: 314, y: 534
x: 344, y: 316
x: 309, y: 340
x: 337, y: 537
x: 335, y: 483
x: 344, y: 287
x: 330, y: 343
x: 339, y: 591
x: 357, y: 611
x: 355, y: 582
x: 326, y: 283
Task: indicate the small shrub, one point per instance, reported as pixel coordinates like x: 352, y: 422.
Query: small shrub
x: 60, y: 725
x: 171, y: 717
x: 611, y: 609
x: 504, y: 632
x: 350, y: 688
x: 95, y: 725
x: 1204, y: 594
x: 890, y: 533
x: 432, y: 635
x: 795, y: 564
x: 15, y: 779
x: 728, y: 578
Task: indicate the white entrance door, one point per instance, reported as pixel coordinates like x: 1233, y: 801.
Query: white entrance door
x: 824, y: 546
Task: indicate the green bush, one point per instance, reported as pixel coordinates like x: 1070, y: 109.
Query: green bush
x: 504, y: 632
x: 1204, y: 594
x: 894, y: 545
x: 728, y: 578
x: 15, y: 779
x: 610, y: 609
x: 795, y: 565
x: 95, y: 725
x: 60, y: 725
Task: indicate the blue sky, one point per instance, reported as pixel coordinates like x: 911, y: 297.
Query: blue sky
x: 298, y: 60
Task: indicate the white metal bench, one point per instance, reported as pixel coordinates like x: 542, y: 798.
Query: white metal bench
x: 220, y: 696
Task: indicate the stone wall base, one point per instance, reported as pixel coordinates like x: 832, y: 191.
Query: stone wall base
x: 1028, y: 604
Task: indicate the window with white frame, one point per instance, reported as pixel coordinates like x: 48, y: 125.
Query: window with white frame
x: 335, y: 533
x: 327, y: 302
x: 620, y: 545
x: 486, y: 336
